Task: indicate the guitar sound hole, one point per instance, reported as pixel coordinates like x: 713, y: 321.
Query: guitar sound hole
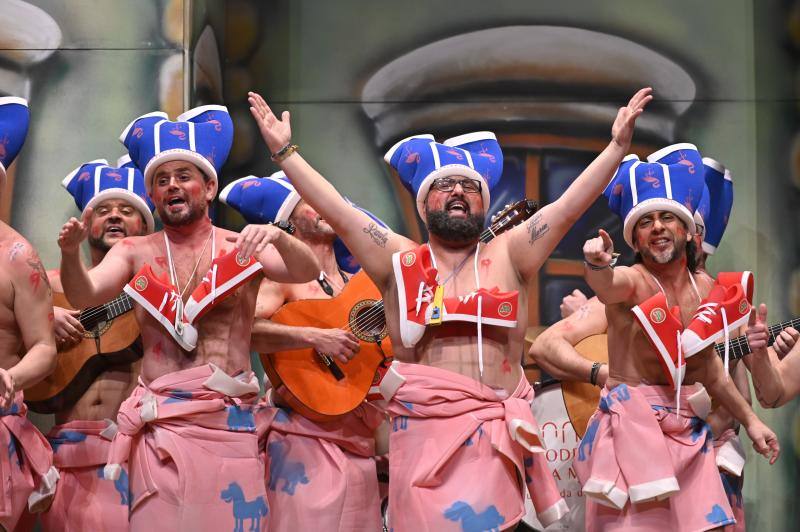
x: 98, y: 329
x: 367, y: 320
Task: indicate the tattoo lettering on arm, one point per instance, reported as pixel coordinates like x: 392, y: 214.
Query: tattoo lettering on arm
x: 536, y: 229
x: 379, y: 237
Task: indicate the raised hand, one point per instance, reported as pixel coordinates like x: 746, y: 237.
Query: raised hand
x: 599, y: 251
x: 74, y: 232
x: 276, y: 133
x: 757, y: 331
x: 622, y: 129
x: 254, y: 238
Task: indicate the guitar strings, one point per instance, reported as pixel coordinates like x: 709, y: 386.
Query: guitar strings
x: 97, y: 311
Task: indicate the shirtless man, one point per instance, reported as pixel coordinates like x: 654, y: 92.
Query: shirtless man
x: 82, y: 435
x: 452, y: 385
x: 187, y: 431
x: 337, y: 456
x: 676, y: 470
x: 27, y: 347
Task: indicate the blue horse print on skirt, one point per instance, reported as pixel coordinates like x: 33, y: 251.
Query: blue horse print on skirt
x: 717, y: 516
x: 66, y: 437
x: 588, y: 440
x: 241, y: 419
x: 489, y: 519
x: 13, y: 448
x: 243, y: 509
x: 121, y: 485
x: 280, y: 467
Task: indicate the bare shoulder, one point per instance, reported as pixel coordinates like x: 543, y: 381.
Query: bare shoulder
x: 21, y: 261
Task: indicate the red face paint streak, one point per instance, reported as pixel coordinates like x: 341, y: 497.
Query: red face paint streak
x: 162, y: 261
x: 158, y: 352
x: 506, y: 366
x: 97, y: 232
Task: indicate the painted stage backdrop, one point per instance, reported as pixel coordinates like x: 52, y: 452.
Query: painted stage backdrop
x: 357, y: 75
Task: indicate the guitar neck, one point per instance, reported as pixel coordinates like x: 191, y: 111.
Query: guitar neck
x: 116, y: 307
x: 738, y: 347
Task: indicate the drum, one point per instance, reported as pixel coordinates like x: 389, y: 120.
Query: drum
x: 562, y: 443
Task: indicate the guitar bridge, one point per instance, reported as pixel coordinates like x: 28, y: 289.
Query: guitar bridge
x: 335, y: 370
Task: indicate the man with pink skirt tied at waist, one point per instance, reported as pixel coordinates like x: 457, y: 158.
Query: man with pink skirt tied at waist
x: 646, y: 459
x: 464, y: 442
x: 81, y: 438
x: 27, y: 348
x: 319, y: 474
x: 188, y: 431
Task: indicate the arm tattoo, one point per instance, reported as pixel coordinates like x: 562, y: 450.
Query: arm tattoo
x: 379, y: 237
x: 536, y: 229
x: 38, y: 274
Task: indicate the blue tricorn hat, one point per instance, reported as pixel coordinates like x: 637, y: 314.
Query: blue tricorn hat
x: 96, y: 181
x: 14, y: 120
x: 419, y: 160
x: 670, y: 180
x: 720, y: 199
x: 273, y: 199
x: 202, y: 136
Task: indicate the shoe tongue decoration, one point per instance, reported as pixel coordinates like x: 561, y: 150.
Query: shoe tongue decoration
x: 725, y: 309
x: 163, y: 302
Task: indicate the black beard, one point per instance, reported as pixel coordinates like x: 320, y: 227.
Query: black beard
x: 454, y: 229
x: 196, y: 212
x: 99, y: 243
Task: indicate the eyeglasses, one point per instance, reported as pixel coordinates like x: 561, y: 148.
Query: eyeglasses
x: 447, y: 184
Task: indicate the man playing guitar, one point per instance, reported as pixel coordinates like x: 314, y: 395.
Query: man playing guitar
x: 83, y: 432
x: 462, y: 431
x: 341, y: 489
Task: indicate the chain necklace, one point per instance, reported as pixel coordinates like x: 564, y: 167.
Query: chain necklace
x: 173, y: 274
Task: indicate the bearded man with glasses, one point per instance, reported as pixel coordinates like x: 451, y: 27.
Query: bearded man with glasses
x: 463, y: 436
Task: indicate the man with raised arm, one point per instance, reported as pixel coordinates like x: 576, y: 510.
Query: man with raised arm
x: 554, y: 351
x: 27, y: 347
x: 187, y: 431
x: 647, y: 441
x: 339, y: 490
x: 462, y: 431
x: 81, y: 438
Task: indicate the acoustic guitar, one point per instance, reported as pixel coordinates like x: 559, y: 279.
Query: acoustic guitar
x: 313, y: 383
x: 581, y: 398
x: 110, y: 339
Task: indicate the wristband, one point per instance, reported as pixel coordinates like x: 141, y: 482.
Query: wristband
x: 284, y: 152
x: 610, y: 265
x: 595, y: 370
